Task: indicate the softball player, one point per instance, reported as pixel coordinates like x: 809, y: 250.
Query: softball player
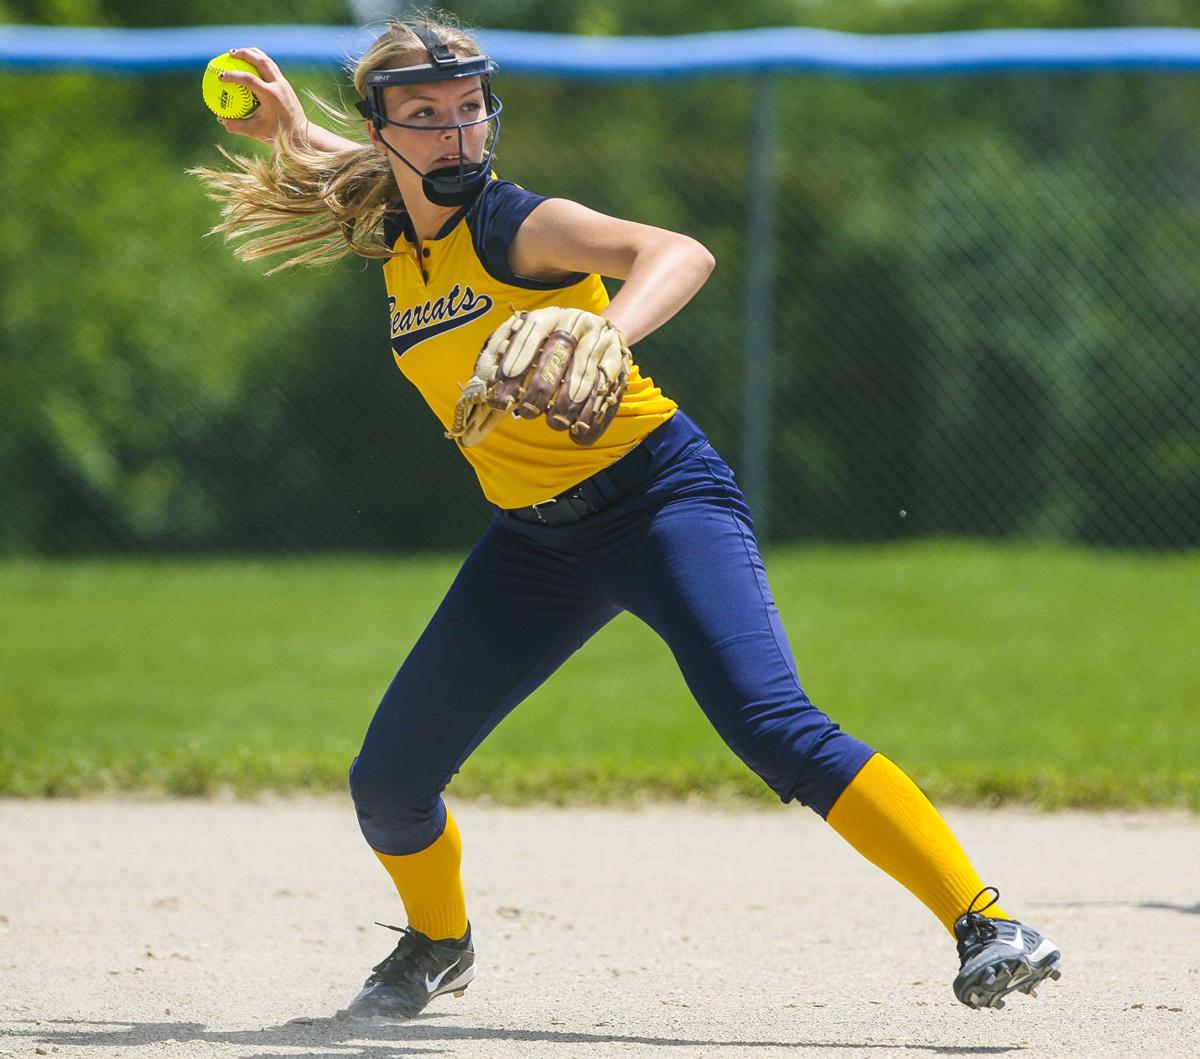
x: 592, y: 516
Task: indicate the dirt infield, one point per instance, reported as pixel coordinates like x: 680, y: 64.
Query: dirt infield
x: 227, y: 929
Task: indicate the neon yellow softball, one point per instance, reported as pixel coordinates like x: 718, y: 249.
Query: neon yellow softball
x: 224, y: 98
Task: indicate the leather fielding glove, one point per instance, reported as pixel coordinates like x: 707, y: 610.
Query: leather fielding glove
x: 567, y: 364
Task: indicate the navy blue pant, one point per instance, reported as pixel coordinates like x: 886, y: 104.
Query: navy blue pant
x: 677, y: 551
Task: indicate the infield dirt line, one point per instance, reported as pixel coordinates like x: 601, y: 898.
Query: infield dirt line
x: 223, y: 929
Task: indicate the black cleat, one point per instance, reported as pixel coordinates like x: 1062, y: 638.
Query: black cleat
x: 1000, y: 956
x: 416, y: 971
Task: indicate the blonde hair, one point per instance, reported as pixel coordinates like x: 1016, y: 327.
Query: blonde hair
x: 322, y: 206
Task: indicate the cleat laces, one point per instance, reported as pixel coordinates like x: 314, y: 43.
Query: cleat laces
x: 410, y: 944
x: 976, y: 928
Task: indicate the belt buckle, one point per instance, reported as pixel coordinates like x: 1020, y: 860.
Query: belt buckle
x: 536, y: 508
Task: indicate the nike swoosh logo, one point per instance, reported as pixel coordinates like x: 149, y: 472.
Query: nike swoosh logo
x: 1018, y: 942
x: 432, y: 983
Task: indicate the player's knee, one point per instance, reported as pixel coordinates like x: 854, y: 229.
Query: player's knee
x: 397, y: 810
x: 809, y: 762
x: 825, y: 770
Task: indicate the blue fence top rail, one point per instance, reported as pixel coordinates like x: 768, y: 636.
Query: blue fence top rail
x: 559, y: 55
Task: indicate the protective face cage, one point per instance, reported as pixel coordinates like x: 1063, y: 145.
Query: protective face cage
x: 452, y: 185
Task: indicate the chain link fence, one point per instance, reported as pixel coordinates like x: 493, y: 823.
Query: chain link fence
x: 979, y: 298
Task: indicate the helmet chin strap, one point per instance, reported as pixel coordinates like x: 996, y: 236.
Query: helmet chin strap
x: 453, y: 185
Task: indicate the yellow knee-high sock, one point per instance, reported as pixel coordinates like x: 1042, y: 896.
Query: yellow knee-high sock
x: 430, y: 884
x: 884, y: 816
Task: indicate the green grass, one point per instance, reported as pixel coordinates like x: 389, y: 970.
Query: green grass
x: 992, y: 673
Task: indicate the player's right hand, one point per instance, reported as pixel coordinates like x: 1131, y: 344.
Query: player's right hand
x: 278, y: 105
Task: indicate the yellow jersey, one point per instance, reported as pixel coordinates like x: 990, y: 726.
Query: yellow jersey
x: 445, y: 300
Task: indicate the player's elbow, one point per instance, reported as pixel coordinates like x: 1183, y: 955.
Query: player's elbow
x: 699, y: 258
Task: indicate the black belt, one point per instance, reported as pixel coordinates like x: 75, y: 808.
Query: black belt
x: 601, y: 490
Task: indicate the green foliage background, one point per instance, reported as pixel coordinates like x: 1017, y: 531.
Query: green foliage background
x: 984, y: 309
x: 985, y: 315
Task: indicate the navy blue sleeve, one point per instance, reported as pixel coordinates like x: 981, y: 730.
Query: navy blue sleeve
x: 493, y: 219
x: 393, y: 226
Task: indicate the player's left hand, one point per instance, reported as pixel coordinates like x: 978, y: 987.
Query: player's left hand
x: 567, y: 364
